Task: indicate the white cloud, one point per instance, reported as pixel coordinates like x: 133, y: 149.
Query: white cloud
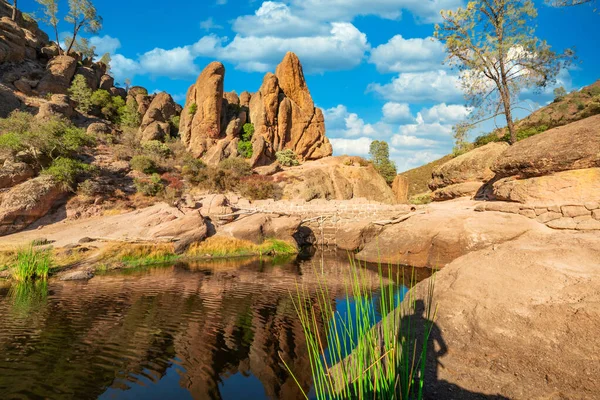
x: 346, y: 10
x: 396, y: 112
x: 276, y: 19
x: 446, y: 114
x: 122, y: 67
x: 209, y: 24
x: 420, y: 87
x: 406, y: 141
x: 354, y: 147
x: 105, y: 44
x: 408, y: 55
x: 174, y: 63
x: 342, y: 48
x: 409, y: 159
x: 421, y: 128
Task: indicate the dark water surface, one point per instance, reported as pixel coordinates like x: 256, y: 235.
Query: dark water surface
x: 201, y: 331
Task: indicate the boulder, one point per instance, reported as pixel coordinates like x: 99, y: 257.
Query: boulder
x: 99, y: 128
x: 156, y: 122
x: 573, y: 146
x: 59, y: 72
x: 200, y: 121
x: 437, y: 238
x: 258, y: 227
x: 13, y: 173
x: 245, y: 99
x: 118, y: 91
x: 60, y: 105
x: 184, y: 231
x: 353, y: 236
x: 20, y: 39
x: 8, y: 101
x: 474, y: 166
x: 568, y: 187
x: 519, y: 321
x: 136, y: 90
x: 27, y: 202
x: 23, y: 86
x: 466, y: 189
x: 89, y: 75
x: 106, y: 82
x: 334, y: 178
x: 400, y: 189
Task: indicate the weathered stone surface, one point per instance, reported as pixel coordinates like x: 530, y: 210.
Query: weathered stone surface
x: 334, y: 178
x: 245, y: 98
x: 592, y: 205
x: 569, y: 147
x: 268, y: 169
x: 596, y: 214
x: 106, y: 82
x: 13, y: 173
x: 60, y: 105
x: 99, y: 128
x: 136, y: 90
x: 548, y: 216
x: 588, y: 225
x: 540, y: 293
x: 562, y: 223
x: 248, y: 228
x: 23, y: 86
x: 437, y: 238
x: 400, y: 189
x: 59, y: 72
x: 19, y: 39
x: 198, y: 128
x: 8, y: 101
x: 118, y: 91
x: 466, y: 189
x: 26, y: 203
x: 567, y: 187
x: 184, y: 231
x: 155, y: 124
x: 473, y: 166
x: 574, y: 211
x: 354, y: 236
x: 282, y: 228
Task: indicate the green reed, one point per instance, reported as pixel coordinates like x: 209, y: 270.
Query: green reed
x: 366, y: 360
x: 31, y: 264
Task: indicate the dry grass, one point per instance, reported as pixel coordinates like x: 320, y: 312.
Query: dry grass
x: 418, y: 178
x: 220, y: 246
x: 133, y: 254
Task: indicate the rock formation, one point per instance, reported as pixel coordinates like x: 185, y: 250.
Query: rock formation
x: 156, y: 122
x: 20, y: 39
x: 465, y: 174
x: 59, y: 72
x: 400, y: 188
x: 282, y: 112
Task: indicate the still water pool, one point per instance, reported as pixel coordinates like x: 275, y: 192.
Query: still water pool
x: 215, y: 330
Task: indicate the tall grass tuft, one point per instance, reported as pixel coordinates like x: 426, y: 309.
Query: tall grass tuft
x: 31, y: 264
x: 379, y: 350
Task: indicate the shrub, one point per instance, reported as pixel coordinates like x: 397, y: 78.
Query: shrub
x: 143, y: 164
x: 32, y: 264
x: 156, y: 148
x: 173, y: 188
x: 150, y: 187
x: 580, y: 106
x: 237, y: 166
x: 288, y: 158
x: 108, y: 106
x: 528, y: 132
x: 81, y: 94
x: 89, y: 188
x: 559, y: 93
x: 258, y: 187
x: 245, y: 144
x: 66, y: 171
x: 485, y: 139
x: 175, y: 122
x: 193, y: 170
x: 129, y: 115
x: 193, y: 108
x: 42, y: 140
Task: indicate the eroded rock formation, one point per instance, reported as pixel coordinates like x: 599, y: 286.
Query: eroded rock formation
x: 282, y: 112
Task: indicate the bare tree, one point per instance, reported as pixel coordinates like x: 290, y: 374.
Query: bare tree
x: 82, y: 14
x: 14, y: 13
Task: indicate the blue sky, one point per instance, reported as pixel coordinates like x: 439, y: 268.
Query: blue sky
x: 370, y: 64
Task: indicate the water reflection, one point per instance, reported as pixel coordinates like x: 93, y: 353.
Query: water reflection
x: 201, y: 331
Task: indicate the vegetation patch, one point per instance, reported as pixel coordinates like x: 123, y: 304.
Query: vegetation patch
x: 221, y: 246
x: 31, y: 264
x: 245, y: 143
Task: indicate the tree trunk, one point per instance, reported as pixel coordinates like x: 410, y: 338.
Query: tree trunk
x: 508, y: 114
x: 14, y: 13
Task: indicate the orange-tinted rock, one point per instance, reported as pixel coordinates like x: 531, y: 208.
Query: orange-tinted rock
x: 59, y: 72
x: 155, y: 124
x: 201, y: 117
x: 400, y: 188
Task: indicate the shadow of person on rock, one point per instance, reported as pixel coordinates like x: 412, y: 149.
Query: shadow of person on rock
x: 421, y: 327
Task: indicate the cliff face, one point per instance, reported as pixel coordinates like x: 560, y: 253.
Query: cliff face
x: 282, y: 112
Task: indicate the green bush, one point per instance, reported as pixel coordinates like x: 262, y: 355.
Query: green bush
x: 129, y: 115
x: 559, y: 93
x: 66, y: 171
x: 193, y: 108
x: 245, y: 144
x: 175, y: 122
x: 485, y: 139
x: 81, y: 94
x: 109, y: 107
x: 150, y: 187
x: 89, y: 188
x: 143, y: 164
x: 287, y: 158
x: 41, y: 140
x: 193, y: 170
x: 156, y: 148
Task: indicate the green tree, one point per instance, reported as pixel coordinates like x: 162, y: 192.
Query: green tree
x: 105, y: 59
x: 51, y: 17
x: 83, y: 15
x: 559, y: 93
x: 81, y: 94
x: 380, y: 156
x: 493, y: 44
x: 82, y: 45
